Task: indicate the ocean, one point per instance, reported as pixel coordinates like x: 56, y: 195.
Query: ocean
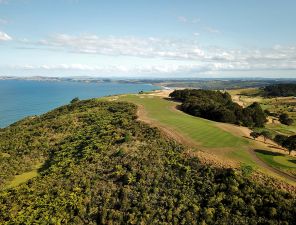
x: 22, y: 98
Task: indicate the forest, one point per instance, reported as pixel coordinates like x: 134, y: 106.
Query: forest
x: 102, y: 166
x: 218, y: 106
x: 279, y: 90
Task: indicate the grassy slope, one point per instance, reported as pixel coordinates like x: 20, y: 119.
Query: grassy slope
x: 279, y: 161
x: 24, y: 177
x: 204, y: 132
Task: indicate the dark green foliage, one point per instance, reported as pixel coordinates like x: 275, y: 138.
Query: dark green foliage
x: 285, y: 119
x: 104, y: 167
x: 280, y: 139
x: 266, y: 135
x: 290, y: 143
x: 254, y: 134
x: 280, y: 90
x: 267, y: 112
x: 74, y: 100
x: 218, y: 106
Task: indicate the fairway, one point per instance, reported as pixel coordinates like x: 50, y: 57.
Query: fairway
x: 204, y: 133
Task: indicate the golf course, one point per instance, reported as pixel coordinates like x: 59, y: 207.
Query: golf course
x: 231, y: 145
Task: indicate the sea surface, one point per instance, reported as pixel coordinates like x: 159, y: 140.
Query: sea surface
x: 21, y: 98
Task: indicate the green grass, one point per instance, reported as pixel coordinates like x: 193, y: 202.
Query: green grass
x: 200, y: 130
x: 5, y: 155
x: 205, y: 133
x: 24, y: 177
x: 277, y: 160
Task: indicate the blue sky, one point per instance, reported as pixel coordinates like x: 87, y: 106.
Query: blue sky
x: 155, y: 38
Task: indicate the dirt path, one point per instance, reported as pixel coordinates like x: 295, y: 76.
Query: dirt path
x: 266, y: 166
x: 258, y: 144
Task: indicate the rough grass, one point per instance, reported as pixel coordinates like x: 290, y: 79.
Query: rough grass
x: 277, y: 160
x: 277, y: 105
x: 24, y: 177
x: 203, y: 132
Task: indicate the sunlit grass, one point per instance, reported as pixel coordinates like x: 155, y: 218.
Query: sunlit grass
x: 24, y: 177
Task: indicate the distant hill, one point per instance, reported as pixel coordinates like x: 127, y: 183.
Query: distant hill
x: 280, y: 90
x: 102, y: 166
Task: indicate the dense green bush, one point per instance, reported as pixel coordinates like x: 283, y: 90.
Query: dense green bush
x: 285, y: 119
x: 279, y: 90
x: 218, y: 106
x: 104, y: 167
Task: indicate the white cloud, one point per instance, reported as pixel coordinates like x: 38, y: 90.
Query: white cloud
x: 125, y: 46
x: 164, y: 69
x: 184, y: 19
x: 212, y: 30
x: 176, y: 52
x: 3, y: 21
x: 4, y: 37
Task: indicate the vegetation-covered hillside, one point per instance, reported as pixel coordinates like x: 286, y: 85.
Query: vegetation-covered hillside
x: 280, y: 90
x: 101, y: 166
x: 218, y: 106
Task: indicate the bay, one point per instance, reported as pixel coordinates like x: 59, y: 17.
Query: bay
x: 22, y: 98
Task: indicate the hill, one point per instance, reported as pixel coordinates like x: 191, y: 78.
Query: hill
x: 102, y: 166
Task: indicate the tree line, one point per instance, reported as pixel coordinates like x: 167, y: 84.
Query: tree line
x: 218, y: 106
x: 279, y: 90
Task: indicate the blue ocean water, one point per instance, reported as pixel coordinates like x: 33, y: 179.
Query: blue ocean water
x: 20, y: 98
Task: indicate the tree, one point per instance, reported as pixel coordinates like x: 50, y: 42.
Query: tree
x: 285, y: 119
x: 266, y: 135
x: 280, y: 139
x: 218, y: 106
x: 290, y: 143
x: 254, y: 134
x: 74, y: 100
x: 267, y: 112
x: 257, y: 114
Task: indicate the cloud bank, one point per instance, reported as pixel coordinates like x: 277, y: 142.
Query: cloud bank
x: 4, y: 37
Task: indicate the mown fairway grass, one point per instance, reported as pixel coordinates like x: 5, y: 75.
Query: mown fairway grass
x: 203, y: 132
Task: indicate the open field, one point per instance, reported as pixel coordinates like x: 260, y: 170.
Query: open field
x: 24, y: 177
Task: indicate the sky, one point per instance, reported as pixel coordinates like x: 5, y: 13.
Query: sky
x: 148, y: 39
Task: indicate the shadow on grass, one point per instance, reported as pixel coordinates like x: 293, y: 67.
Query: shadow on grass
x: 172, y: 100
x: 292, y: 161
x: 265, y: 152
